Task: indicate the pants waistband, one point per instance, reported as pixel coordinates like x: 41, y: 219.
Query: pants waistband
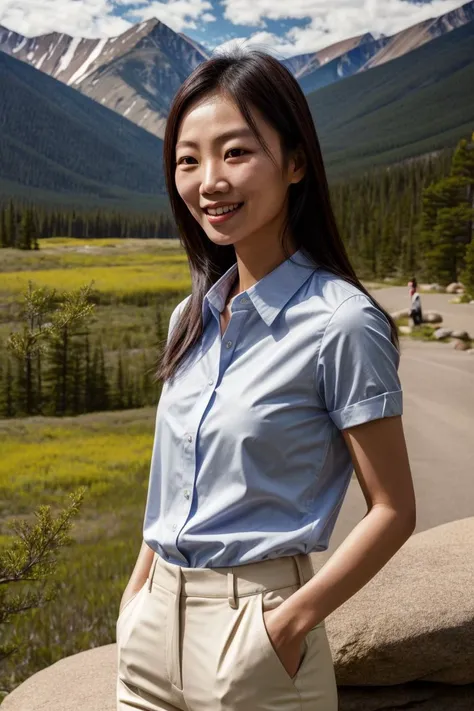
x: 231, y: 582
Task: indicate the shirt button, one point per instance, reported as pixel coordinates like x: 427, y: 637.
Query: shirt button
x: 186, y: 494
x: 228, y: 344
x: 189, y: 438
x: 174, y: 527
x: 211, y: 382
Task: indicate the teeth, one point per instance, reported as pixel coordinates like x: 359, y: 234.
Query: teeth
x: 222, y: 210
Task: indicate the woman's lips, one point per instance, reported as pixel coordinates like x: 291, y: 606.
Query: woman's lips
x: 217, y: 219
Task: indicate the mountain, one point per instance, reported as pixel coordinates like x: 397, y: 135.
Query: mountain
x: 135, y: 74
x: 408, y: 107
x: 54, y: 138
x: 417, y: 35
x: 304, y: 64
x: 366, y: 52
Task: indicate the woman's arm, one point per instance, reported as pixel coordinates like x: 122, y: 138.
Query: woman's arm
x: 381, y: 464
x: 139, y: 574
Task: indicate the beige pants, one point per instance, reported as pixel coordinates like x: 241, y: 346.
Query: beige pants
x: 195, y: 639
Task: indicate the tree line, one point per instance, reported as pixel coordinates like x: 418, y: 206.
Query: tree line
x: 21, y: 226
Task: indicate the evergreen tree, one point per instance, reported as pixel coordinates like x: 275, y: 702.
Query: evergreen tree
x: 68, y: 325
x: 3, y: 228
x: 28, y: 343
x: 467, y: 276
x: 28, y: 235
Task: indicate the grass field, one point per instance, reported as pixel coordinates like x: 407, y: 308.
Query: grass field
x: 42, y: 460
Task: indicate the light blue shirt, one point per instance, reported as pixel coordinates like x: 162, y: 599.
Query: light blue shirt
x: 248, y: 460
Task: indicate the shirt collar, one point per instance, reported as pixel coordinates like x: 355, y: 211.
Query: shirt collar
x: 270, y: 294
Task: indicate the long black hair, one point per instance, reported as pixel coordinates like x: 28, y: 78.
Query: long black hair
x: 253, y: 80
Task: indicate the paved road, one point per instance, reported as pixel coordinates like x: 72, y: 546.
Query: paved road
x: 438, y: 385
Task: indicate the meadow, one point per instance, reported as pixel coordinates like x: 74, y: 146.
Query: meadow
x: 43, y: 459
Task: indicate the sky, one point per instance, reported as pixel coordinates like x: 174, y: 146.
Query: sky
x: 283, y: 27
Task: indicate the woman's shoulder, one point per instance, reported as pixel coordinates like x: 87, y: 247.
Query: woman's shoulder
x: 334, y: 291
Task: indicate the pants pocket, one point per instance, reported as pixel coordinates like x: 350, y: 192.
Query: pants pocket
x: 125, y: 611
x: 270, y: 600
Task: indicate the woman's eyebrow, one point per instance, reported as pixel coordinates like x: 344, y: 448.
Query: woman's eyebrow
x: 226, y: 136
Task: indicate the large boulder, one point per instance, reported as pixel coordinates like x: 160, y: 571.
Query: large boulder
x: 82, y: 682
x: 432, y: 317
x: 415, y: 619
x: 455, y: 288
x: 441, y: 333
x: 462, y: 335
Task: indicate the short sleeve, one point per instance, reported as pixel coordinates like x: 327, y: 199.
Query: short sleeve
x: 357, y: 368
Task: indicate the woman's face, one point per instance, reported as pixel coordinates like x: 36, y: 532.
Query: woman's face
x: 229, y: 183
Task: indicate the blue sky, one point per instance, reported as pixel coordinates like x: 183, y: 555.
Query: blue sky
x: 285, y: 27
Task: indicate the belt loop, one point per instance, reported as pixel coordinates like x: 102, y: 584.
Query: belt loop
x: 231, y: 590
x: 150, y: 583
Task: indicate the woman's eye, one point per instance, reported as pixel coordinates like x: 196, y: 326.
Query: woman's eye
x: 181, y: 161
x: 235, y: 150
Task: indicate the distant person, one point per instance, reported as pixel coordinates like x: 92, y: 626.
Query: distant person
x: 279, y: 380
x: 416, y: 314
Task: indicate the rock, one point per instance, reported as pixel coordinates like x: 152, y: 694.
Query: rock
x: 462, y: 335
x: 403, y: 313
x: 405, y: 330
x: 453, y: 287
x: 432, y: 317
x: 414, y: 620
x: 432, y: 287
x: 461, y: 345
x: 82, y: 682
x: 417, y: 695
x: 442, y: 333
x: 459, y: 291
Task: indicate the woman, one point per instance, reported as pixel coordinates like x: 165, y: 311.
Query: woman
x: 280, y: 378
x: 416, y: 314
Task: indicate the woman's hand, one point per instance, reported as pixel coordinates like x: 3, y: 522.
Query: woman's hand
x: 287, y: 646
x: 127, y: 596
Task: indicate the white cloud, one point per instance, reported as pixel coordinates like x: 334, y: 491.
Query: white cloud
x: 95, y: 18
x: 81, y: 18
x: 177, y: 14
x: 328, y: 21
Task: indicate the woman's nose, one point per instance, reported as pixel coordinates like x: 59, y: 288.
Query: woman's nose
x: 212, y: 179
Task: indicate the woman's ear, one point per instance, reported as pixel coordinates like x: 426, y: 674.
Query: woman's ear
x: 297, y: 166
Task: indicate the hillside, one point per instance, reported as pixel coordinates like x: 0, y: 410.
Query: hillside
x: 54, y: 138
x: 413, y: 105
x: 135, y: 74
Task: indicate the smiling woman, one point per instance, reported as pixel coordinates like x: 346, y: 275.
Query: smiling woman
x: 280, y: 378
